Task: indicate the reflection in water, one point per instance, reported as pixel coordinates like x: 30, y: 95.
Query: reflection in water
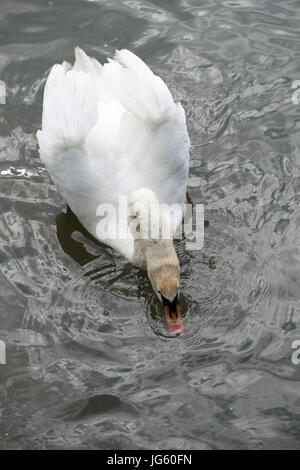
x: 68, y: 226
x: 89, y: 361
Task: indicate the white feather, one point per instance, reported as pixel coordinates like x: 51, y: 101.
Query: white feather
x: 110, y: 130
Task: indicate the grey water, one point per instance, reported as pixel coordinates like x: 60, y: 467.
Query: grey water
x: 89, y: 362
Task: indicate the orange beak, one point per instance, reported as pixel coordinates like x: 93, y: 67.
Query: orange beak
x: 174, y: 319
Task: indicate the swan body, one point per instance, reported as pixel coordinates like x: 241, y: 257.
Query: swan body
x: 114, y: 130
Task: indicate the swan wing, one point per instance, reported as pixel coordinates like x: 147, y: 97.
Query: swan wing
x: 152, y: 132
x: 69, y: 113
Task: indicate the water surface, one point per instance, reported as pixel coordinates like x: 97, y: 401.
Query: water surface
x: 89, y: 361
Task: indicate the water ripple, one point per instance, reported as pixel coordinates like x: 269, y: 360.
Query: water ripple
x: 91, y: 364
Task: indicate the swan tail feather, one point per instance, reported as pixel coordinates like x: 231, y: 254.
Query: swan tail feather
x: 138, y: 89
x: 69, y: 107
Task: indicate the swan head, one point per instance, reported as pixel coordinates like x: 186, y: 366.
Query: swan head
x: 164, y: 275
x: 150, y: 228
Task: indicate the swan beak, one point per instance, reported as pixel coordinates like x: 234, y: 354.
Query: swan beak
x: 174, y: 319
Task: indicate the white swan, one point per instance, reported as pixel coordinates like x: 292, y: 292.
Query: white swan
x: 111, y: 131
